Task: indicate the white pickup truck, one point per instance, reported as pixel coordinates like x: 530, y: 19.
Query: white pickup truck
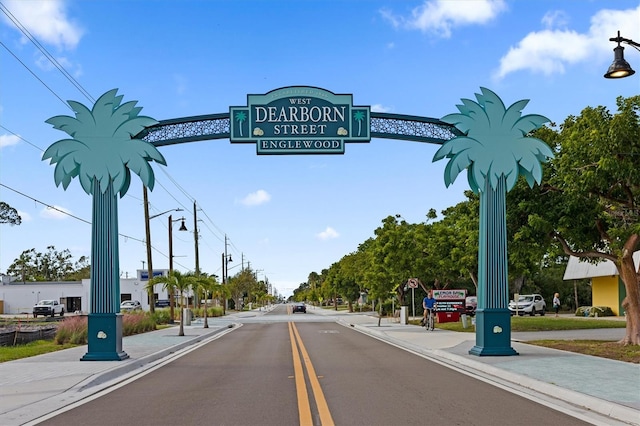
x: 48, y: 308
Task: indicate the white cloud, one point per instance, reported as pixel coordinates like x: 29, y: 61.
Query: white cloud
x: 54, y: 213
x: 441, y: 16
x: 45, y: 64
x: 380, y: 108
x: 26, y: 217
x: 8, y: 140
x: 46, y: 20
x: 256, y: 198
x: 548, y: 51
x: 328, y: 234
x: 555, y: 19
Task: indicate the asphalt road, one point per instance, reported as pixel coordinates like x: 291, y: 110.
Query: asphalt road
x: 283, y: 369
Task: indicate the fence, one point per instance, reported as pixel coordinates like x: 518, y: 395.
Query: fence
x: 12, y: 336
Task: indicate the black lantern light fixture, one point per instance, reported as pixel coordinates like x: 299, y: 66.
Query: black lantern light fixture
x: 620, y: 68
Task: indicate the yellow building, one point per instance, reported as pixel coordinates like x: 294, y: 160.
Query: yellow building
x: 607, y: 289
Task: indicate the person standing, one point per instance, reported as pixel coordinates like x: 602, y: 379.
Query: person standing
x: 556, y: 303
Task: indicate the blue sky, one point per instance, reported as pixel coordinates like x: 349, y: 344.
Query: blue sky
x: 286, y: 215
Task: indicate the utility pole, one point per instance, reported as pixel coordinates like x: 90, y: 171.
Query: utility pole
x: 145, y: 198
x: 195, y: 237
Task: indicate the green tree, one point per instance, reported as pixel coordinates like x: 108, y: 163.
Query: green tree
x: 221, y: 293
x: 453, y: 242
x: 596, y: 175
x: 206, y: 286
x: 181, y: 282
x: 101, y: 153
x: 240, y: 285
x: 51, y: 265
x: 9, y: 215
x: 24, y: 266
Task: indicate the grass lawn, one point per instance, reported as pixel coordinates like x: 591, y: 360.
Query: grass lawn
x: 604, y: 349
x: 39, y: 347
x: 546, y: 323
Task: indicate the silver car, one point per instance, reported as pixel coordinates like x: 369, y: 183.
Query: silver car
x: 528, y: 304
x: 130, y: 305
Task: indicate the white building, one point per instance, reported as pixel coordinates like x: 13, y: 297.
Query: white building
x: 18, y: 297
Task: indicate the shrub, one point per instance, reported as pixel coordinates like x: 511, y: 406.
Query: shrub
x: 212, y: 311
x: 72, y: 330
x: 137, y: 322
x: 162, y: 316
x: 594, y: 311
x: 75, y: 329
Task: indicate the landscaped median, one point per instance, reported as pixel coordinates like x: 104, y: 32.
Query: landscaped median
x: 72, y: 331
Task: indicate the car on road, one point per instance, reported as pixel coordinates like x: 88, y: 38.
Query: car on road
x: 299, y: 307
x: 48, y: 308
x: 130, y: 305
x: 531, y: 304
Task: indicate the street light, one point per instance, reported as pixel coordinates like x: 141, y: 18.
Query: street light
x: 620, y: 68
x: 171, y: 289
x: 225, y: 266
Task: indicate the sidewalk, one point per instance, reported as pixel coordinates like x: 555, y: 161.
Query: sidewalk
x: 598, y: 390
x: 31, y: 388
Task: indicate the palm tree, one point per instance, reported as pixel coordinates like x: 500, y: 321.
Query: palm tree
x: 359, y: 116
x: 221, y: 293
x: 496, y: 150
x: 206, y: 284
x: 101, y: 153
x: 183, y: 282
x: 240, y: 117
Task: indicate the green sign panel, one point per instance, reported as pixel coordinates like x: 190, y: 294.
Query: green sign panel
x: 300, y: 120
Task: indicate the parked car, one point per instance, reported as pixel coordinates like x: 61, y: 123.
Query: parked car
x: 299, y: 307
x: 528, y: 304
x: 130, y: 305
x: 48, y: 308
x: 470, y: 305
x: 163, y: 303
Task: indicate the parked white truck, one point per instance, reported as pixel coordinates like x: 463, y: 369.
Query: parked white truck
x: 48, y: 308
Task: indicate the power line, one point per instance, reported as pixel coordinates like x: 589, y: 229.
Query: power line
x: 37, y: 78
x: 22, y: 139
x: 45, y: 52
x: 85, y: 93
x: 49, y: 206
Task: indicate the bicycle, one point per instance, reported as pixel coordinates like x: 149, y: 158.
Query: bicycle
x: 430, y: 320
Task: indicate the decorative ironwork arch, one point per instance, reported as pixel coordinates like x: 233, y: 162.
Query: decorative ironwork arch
x: 216, y: 126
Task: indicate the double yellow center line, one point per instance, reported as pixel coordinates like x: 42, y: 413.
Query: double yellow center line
x: 304, y: 408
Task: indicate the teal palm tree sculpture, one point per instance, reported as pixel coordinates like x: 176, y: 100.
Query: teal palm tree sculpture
x: 495, y: 149
x: 101, y: 154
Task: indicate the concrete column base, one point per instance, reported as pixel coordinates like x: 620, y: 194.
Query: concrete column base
x: 493, y: 333
x: 105, y: 338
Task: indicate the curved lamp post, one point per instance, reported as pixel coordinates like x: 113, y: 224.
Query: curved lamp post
x: 148, y: 218
x: 172, y: 290
x: 620, y: 68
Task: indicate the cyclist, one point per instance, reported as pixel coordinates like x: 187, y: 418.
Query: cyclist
x: 429, y: 306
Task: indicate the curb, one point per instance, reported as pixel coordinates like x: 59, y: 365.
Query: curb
x: 550, y: 392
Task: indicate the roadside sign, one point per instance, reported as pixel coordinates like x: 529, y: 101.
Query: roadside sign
x: 413, y: 283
